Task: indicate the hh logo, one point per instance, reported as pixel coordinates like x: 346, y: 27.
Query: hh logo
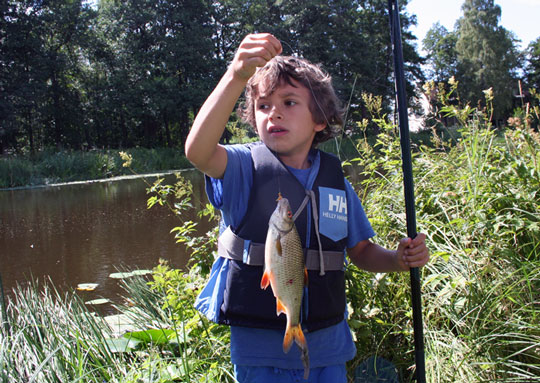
x: 337, y: 203
x: 333, y: 213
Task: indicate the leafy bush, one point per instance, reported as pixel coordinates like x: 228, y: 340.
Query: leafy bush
x: 478, y: 203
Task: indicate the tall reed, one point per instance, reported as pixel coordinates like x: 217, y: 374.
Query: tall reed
x: 478, y: 201
x: 55, y: 338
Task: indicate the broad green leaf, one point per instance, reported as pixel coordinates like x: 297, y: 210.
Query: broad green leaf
x: 120, y: 275
x: 155, y: 336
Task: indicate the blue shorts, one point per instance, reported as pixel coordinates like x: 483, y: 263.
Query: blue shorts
x: 256, y: 374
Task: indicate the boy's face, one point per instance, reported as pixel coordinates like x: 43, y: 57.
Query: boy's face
x: 285, y: 123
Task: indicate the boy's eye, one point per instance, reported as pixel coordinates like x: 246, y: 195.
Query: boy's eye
x: 262, y: 106
x: 290, y: 103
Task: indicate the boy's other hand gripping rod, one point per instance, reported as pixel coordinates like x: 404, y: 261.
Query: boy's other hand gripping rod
x: 399, y: 75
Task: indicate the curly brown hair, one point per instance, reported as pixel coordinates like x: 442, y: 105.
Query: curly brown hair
x: 324, y: 104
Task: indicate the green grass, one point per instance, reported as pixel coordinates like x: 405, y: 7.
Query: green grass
x: 56, y: 338
x: 477, y: 199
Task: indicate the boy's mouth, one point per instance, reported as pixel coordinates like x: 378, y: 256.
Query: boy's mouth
x: 276, y: 130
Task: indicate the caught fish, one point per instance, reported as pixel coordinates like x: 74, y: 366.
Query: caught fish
x: 285, y: 271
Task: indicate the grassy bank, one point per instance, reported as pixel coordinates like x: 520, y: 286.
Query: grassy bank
x: 50, y: 166
x: 48, y: 337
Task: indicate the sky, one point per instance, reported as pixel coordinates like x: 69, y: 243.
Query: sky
x: 518, y: 16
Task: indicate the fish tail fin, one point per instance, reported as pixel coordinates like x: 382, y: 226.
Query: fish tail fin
x: 294, y: 333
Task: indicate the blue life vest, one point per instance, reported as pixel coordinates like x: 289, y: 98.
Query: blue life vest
x: 245, y: 303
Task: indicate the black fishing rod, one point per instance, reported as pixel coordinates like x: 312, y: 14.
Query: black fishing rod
x: 395, y: 29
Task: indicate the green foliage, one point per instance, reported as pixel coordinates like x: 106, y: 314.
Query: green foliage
x: 479, y: 53
x: 477, y: 200
x: 52, y: 338
x: 487, y: 55
x: 177, y: 198
x: 41, y: 100
x: 206, y: 344
x: 63, y: 342
x: 441, y: 47
x: 533, y: 65
x: 121, y: 74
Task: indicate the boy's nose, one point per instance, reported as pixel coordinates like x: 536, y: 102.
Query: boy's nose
x: 275, y: 113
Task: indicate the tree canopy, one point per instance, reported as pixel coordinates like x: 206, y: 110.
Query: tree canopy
x: 76, y: 74
x: 80, y: 75
x: 533, y: 64
x: 479, y: 53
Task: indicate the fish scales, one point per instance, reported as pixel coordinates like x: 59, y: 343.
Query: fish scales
x: 285, y: 271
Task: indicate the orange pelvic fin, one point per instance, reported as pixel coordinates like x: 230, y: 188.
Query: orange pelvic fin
x: 265, y: 280
x: 305, y: 276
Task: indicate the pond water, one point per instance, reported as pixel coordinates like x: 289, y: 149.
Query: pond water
x: 81, y: 233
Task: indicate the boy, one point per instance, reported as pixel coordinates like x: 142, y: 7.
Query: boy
x: 292, y: 106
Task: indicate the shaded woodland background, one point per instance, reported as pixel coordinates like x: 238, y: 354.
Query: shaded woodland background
x: 79, y: 75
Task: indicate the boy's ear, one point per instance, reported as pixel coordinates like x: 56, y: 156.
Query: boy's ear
x: 319, y: 127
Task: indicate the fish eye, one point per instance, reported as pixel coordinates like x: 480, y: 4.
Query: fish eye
x: 289, y: 214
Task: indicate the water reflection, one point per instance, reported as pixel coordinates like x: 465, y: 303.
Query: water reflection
x: 82, y: 233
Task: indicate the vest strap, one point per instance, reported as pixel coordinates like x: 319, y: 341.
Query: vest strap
x: 231, y: 246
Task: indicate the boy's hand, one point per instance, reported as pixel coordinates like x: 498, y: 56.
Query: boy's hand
x: 413, y: 252
x: 254, y: 51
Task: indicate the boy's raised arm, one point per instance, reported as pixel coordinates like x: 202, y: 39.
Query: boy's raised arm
x: 202, y: 144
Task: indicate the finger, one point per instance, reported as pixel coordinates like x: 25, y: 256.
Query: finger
x: 420, y: 263
x: 416, y: 244
x: 413, y: 250
x: 256, y: 56
x: 270, y: 41
x: 418, y: 240
x: 266, y: 41
x: 417, y: 260
x: 404, y: 243
x: 250, y: 52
